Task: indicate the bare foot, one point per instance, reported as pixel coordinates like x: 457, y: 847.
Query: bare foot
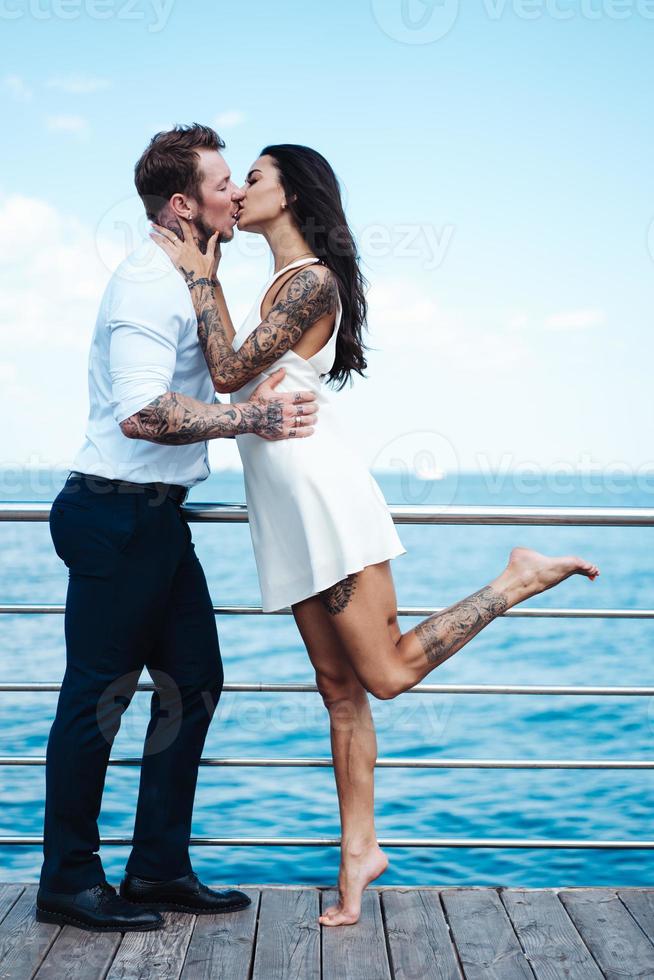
x: 356, y: 873
x: 530, y: 573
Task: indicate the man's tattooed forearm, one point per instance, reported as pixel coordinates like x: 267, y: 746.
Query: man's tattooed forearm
x: 446, y: 632
x: 175, y: 420
x: 308, y: 298
x: 337, y: 597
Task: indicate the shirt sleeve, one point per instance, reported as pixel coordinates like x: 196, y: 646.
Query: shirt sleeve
x: 142, y: 350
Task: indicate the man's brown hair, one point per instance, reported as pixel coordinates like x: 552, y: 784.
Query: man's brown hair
x: 171, y: 165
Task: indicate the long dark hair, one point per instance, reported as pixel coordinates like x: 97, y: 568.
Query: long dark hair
x: 314, y: 200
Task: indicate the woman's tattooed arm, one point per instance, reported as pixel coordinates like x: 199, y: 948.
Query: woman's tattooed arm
x: 308, y: 296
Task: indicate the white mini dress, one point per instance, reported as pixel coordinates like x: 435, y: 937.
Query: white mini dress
x: 316, y: 513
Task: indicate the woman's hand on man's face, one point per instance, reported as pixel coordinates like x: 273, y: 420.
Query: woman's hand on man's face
x: 185, y: 252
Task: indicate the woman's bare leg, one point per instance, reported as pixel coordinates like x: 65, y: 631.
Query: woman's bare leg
x: 363, y: 611
x: 354, y: 750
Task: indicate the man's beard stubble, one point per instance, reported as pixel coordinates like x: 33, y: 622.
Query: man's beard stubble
x: 205, y: 232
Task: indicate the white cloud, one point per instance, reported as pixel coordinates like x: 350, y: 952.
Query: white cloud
x: 51, y: 278
x: 518, y: 321
x: 67, y: 124
x: 79, y: 84
x: 405, y: 321
x: 17, y: 87
x: 229, y: 119
x: 575, y: 320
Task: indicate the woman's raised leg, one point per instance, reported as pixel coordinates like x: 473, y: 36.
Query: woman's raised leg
x: 363, y: 611
x: 354, y: 750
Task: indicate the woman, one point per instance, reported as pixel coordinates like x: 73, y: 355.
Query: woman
x: 321, y: 531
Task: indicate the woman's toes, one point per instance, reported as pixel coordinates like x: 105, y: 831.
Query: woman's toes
x: 339, y: 917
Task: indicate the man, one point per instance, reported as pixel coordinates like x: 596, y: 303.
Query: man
x: 137, y: 595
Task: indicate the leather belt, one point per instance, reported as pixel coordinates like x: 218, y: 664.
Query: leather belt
x: 175, y: 491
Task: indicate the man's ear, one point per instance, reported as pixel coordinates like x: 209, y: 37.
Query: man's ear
x: 182, y: 207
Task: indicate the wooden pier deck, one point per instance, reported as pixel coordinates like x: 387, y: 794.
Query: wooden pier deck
x: 404, y: 933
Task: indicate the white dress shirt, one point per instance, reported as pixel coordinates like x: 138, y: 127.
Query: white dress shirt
x: 144, y: 344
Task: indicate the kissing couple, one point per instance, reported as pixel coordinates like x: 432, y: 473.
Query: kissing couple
x: 323, y: 538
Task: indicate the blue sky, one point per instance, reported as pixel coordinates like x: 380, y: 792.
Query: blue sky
x: 497, y: 168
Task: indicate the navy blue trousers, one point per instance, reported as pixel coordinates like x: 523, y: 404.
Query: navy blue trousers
x: 137, y: 596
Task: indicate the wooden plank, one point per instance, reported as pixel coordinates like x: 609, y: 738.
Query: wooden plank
x: 617, y: 943
x: 23, y: 941
x: 553, y: 946
x: 223, y: 945
x: 418, y: 935
x: 79, y: 955
x: 159, y: 954
x: 483, y: 935
x: 9, y: 895
x: 640, y: 902
x: 288, y: 941
x: 357, y: 952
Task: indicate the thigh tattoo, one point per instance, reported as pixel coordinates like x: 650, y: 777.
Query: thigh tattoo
x: 336, y: 598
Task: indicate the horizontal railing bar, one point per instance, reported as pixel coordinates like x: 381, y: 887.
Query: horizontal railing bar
x: 503, y: 689
x: 541, y: 516
x: 499, y: 842
x: 30, y: 760
x: 24, y: 608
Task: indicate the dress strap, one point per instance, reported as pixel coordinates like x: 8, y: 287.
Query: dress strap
x: 305, y: 261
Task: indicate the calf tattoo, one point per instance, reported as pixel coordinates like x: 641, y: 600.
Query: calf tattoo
x: 337, y: 597
x: 446, y: 632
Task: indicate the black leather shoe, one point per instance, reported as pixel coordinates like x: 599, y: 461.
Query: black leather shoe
x: 98, y: 908
x: 186, y: 894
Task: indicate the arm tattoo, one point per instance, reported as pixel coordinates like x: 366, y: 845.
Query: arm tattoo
x: 446, y: 632
x: 188, y: 274
x: 337, y: 597
x: 307, y: 297
x: 174, y: 419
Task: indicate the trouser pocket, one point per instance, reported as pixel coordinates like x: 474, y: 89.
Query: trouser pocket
x: 91, y: 531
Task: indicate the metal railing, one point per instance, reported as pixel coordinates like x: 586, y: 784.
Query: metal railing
x: 519, y: 516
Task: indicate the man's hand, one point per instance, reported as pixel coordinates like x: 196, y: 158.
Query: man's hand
x: 282, y: 416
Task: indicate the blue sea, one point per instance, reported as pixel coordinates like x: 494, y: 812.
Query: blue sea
x: 443, y: 564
